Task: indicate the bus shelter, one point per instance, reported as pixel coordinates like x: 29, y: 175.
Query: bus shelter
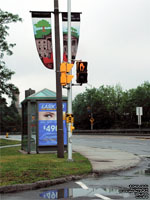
x: 39, y: 121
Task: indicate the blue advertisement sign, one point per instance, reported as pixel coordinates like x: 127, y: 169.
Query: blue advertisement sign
x: 47, y: 115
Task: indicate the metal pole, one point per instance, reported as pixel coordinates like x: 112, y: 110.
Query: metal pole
x: 91, y: 106
x: 139, y: 122
x: 92, y: 118
x: 70, y: 85
x: 60, y: 135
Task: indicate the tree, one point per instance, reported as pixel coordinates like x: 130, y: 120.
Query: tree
x: 112, y: 107
x: 140, y: 97
x: 93, y: 102
x: 80, y: 112
x: 5, y: 48
x: 6, y: 88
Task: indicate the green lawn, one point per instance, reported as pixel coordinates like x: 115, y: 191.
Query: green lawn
x: 5, y: 142
x: 18, y: 168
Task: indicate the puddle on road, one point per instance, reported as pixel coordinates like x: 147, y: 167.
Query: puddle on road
x: 114, y: 193
x: 145, y: 172
x: 55, y: 194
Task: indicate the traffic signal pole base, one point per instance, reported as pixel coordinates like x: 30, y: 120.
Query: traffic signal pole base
x: 69, y: 142
x: 70, y: 160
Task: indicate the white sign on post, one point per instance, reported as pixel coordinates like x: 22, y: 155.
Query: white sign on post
x: 139, y: 113
x: 139, y: 110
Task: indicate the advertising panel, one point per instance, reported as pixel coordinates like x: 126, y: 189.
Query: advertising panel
x: 47, y: 123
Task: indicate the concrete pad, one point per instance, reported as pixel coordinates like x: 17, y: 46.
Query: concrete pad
x: 108, y: 160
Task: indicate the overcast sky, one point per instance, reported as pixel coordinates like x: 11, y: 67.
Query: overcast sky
x: 114, y: 39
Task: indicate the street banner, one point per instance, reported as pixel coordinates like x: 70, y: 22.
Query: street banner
x: 47, y: 124
x: 75, y: 32
x: 43, y: 36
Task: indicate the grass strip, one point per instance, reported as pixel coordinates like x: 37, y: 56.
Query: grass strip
x: 5, y: 142
x: 18, y: 168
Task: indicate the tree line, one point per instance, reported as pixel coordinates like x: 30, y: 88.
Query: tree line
x: 112, y: 107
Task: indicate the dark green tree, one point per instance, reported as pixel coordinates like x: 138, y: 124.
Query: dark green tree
x: 112, y: 107
x: 6, y: 48
x: 6, y: 88
x: 140, y: 97
x: 93, y: 102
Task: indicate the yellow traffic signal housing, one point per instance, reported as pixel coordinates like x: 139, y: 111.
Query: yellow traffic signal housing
x: 69, y: 118
x: 69, y: 67
x: 64, y: 69
x: 63, y: 78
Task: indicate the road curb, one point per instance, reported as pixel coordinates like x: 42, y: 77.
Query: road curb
x: 48, y: 183
x: 120, y: 168
x: 103, y: 172
x: 38, y: 184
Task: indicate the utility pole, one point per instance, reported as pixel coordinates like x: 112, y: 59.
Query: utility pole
x: 60, y: 135
x: 70, y: 84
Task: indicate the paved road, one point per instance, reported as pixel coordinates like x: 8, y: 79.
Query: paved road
x: 137, y: 145
x: 111, y: 185
x: 114, y: 186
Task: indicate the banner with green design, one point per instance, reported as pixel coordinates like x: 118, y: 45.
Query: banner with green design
x: 43, y: 37
x: 75, y: 32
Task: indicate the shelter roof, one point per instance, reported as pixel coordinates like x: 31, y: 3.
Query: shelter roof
x: 44, y: 94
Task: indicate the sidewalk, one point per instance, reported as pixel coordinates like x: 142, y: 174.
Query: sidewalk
x: 14, y: 145
x: 11, y: 137
x: 108, y: 160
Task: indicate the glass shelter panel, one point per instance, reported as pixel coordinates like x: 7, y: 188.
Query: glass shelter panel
x: 33, y: 127
x: 24, y: 127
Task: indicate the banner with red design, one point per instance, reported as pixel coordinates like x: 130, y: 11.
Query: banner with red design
x: 43, y: 37
x: 75, y: 32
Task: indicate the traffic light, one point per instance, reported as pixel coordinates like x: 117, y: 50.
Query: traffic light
x: 64, y: 69
x: 81, y: 69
